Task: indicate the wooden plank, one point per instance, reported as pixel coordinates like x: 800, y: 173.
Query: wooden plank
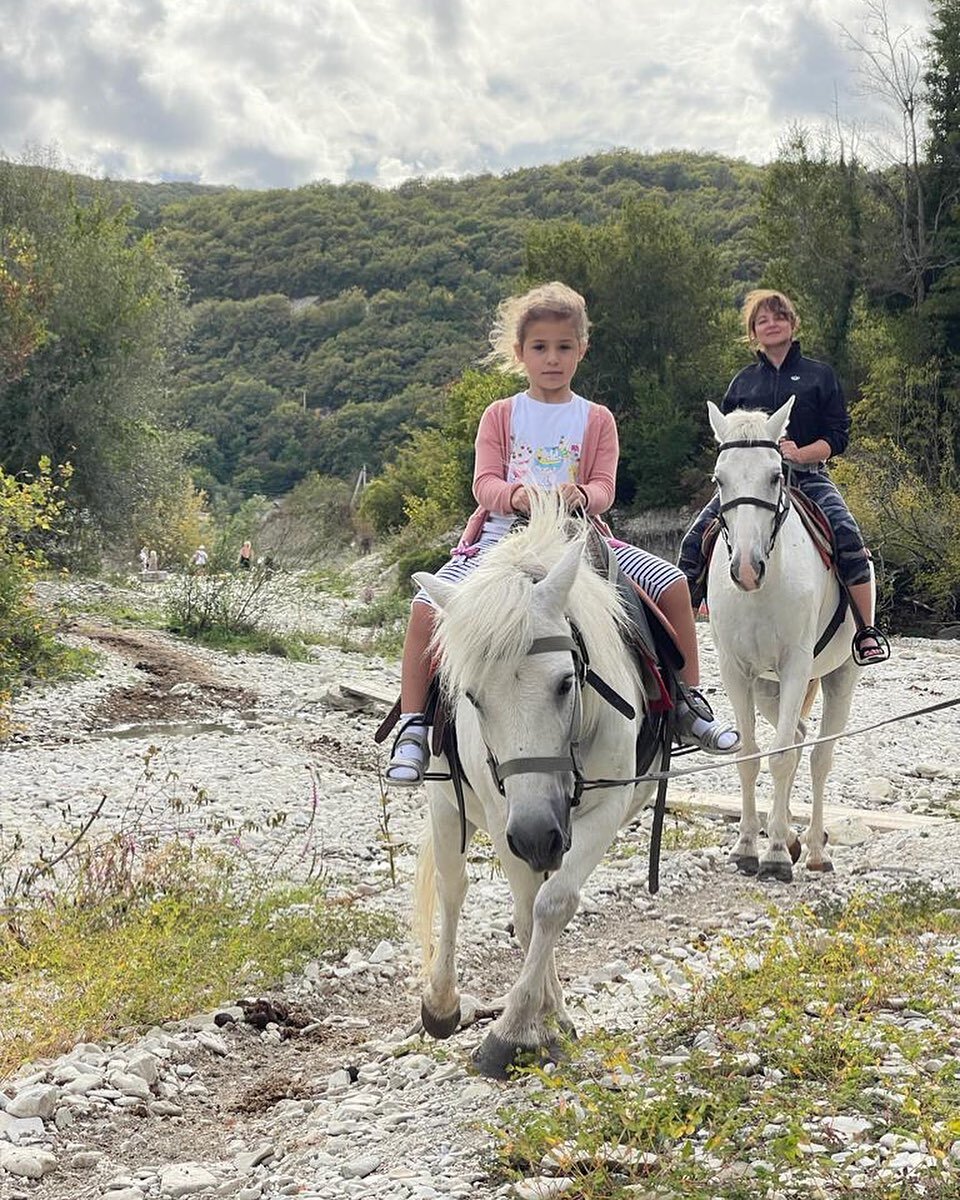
x: 367, y: 691
x: 882, y: 820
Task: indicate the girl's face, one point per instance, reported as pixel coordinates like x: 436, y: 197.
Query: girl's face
x: 551, y: 353
x: 773, y: 330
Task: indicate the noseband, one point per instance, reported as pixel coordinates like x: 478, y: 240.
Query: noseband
x: 548, y: 765
x: 779, y: 509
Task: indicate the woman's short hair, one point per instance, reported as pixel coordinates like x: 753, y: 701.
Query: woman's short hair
x: 776, y: 302
x: 515, y: 314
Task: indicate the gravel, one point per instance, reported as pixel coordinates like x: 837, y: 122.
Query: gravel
x: 360, y: 1105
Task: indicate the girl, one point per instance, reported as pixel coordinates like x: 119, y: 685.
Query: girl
x: 546, y: 437
x: 819, y: 428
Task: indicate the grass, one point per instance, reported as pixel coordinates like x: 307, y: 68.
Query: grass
x: 123, y: 612
x: 72, y: 972
x: 103, y: 936
x: 293, y: 646
x: 729, y: 1094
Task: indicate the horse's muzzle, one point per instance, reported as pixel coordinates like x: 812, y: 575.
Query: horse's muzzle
x: 747, y: 581
x: 540, y: 839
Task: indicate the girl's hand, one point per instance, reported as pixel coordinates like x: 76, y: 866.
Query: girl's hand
x: 573, y: 497
x: 520, y: 501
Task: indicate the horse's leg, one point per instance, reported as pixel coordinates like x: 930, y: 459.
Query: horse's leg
x: 440, y: 1004
x: 553, y: 1007
x: 778, y: 861
x: 525, y: 1025
x: 744, y: 853
x: 768, y: 702
x: 837, y: 697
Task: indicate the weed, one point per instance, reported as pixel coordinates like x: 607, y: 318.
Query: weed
x: 170, y: 912
x: 735, y: 1086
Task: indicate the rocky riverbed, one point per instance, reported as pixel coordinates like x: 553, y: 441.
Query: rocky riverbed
x: 206, y: 1110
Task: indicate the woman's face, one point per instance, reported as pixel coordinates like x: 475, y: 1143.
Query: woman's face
x: 772, y: 328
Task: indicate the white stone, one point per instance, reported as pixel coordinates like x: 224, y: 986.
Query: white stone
x: 27, y: 1163
x: 130, y: 1085
x: 185, y: 1179
x: 542, y: 1187
x: 383, y: 952
x: 14, y: 1128
x: 359, y: 1168
x: 80, y: 1085
x: 144, y: 1065
x: 37, y: 1101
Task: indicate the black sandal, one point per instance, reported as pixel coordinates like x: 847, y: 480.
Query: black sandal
x: 867, y: 656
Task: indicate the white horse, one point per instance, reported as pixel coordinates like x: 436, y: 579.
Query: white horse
x: 771, y: 598
x: 530, y: 729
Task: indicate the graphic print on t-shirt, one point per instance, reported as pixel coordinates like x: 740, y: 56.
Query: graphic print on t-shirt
x: 545, y: 441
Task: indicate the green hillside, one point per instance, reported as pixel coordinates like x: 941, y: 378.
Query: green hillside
x: 328, y: 319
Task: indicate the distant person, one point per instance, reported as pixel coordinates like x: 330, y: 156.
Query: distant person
x: 144, y: 557
x: 546, y: 437
x: 152, y: 560
x: 199, y: 559
x: 245, y: 561
x: 819, y: 428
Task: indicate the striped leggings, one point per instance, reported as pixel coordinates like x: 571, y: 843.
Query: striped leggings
x: 651, y: 573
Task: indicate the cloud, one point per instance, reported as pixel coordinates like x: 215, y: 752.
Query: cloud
x: 279, y: 92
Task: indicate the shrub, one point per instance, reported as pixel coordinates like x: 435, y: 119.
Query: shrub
x: 911, y: 527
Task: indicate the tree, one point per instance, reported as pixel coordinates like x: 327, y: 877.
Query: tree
x: 892, y: 67
x: 653, y: 293
x: 94, y: 393
x: 23, y: 298
x: 809, y: 237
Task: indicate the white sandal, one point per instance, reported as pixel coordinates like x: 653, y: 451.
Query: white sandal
x: 697, y: 726
x: 410, y: 755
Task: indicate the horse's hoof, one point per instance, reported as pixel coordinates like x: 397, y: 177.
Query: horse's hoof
x: 440, y: 1027
x: 780, y: 871
x: 794, y: 849
x: 496, y: 1058
x: 826, y: 867
x: 746, y: 864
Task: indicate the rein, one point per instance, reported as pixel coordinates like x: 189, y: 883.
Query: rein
x: 779, y: 509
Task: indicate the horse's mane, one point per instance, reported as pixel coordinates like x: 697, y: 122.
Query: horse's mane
x: 747, y: 425
x: 488, y: 620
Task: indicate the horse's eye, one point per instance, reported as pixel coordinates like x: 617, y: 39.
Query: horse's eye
x: 775, y: 478
x: 564, y: 686
x: 473, y: 700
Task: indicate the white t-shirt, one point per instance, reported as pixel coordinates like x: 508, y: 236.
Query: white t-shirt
x: 545, y: 443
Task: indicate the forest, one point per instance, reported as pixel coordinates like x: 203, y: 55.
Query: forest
x: 184, y: 351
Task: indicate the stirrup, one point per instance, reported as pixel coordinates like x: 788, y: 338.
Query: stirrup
x: 412, y: 734
x: 694, y: 706
x: 866, y: 656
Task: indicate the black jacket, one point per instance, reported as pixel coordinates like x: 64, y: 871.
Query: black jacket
x: 819, y: 410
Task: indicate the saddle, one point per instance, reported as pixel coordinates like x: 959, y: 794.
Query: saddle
x: 648, y: 636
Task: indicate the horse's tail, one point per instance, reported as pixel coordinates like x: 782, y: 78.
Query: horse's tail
x: 425, y: 899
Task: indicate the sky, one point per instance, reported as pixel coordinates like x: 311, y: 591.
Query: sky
x: 279, y: 93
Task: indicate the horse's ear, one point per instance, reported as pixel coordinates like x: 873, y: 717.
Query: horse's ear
x: 718, y: 422
x: 556, y: 584
x: 438, y: 590
x: 777, y: 422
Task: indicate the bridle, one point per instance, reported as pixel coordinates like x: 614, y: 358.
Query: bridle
x: 779, y: 508
x: 583, y: 674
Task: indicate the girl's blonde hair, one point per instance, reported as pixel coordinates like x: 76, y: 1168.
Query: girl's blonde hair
x: 516, y: 313
x: 779, y: 304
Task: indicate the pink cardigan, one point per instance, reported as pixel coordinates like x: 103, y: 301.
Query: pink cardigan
x: 597, y: 476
